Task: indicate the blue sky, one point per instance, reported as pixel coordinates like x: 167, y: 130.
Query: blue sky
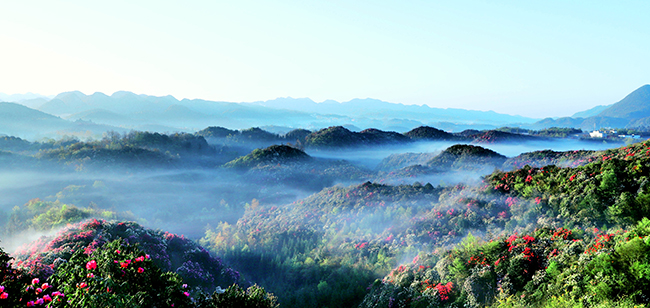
x: 531, y: 58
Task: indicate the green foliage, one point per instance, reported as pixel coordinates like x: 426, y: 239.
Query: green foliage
x: 338, y: 136
x: 429, y: 133
x: 558, y: 132
x: 136, y: 149
x: 237, y: 297
x: 493, y: 136
x: 463, y: 157
x: 274, y: 154
x: 42, y: 215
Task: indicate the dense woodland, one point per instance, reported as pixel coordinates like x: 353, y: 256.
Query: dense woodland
x: 291, y: 228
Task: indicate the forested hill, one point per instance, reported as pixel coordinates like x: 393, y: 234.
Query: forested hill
x: 589, y: 222
x: 119, y: 264
x: 340, y: 137
x: 522, y: 235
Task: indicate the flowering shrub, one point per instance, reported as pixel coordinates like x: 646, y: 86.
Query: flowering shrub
x: 535, y: 269
x: 19, y: 289
x: 118, y: 275
x: 168, y: 251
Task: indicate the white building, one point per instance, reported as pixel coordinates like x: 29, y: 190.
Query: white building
x: 597, y: 134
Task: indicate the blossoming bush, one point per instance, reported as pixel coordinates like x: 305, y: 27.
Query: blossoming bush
x: 19, y: 289
x: 118, y: 275
x: 168, y: 251
x: 548, y: 268
x: 115, y: 275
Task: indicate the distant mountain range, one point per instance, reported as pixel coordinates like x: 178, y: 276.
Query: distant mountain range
x: 633, y: 111
x: 78, y: 113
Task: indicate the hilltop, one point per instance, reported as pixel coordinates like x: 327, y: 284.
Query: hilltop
x: 275, y: 154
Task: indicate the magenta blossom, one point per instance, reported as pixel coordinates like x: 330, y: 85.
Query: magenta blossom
x: 91, y: 265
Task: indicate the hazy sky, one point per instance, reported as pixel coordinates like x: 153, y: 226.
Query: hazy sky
x: 532, y: 58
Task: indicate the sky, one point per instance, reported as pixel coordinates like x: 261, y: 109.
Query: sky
x: 531, y: 58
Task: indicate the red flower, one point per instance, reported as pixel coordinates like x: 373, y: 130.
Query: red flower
x: 91, y: 265
x: 140, y: 270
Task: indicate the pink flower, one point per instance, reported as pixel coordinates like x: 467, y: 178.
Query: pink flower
x: 4, y: 295
x: 56, y: 293
x: 30, y: 304
x: 45, y: 286
x: 39, y: 301
x: 140, y: 270
x: 47, y: 298
x: 186, y: 293
x: 91, y: 265
x: 35, y: 281
x: 2, y: 289
x: 117, y: 251
x: 139, y: 259
x: 184, y: 285
x: 146, y: 256
x: 124, y: 265
x: 90, y: 275
x: 39, y: 290
x: 82, y: 285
